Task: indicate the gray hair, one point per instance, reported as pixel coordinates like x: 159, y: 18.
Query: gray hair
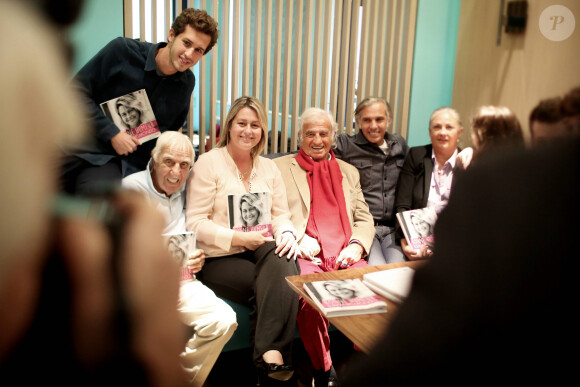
x: 172, y: 140
x: 445, y: 109
x: 372, y: 100
x: 309, y: 115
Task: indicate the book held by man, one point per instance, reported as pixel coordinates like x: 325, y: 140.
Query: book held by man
x: 133, y: 114
x: 344, y: 297
x: 418, y: 226
x: 250, y: 212
x: 180, y: 246
x: 393, y: 284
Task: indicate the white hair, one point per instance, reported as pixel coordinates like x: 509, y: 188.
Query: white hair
x: 310, y: 115
x: 172, y: 140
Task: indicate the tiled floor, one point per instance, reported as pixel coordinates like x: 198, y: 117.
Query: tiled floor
x: 235, y: 368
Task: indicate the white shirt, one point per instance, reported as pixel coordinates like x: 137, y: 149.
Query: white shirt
x: 441, y: 180
x: 172, y: 207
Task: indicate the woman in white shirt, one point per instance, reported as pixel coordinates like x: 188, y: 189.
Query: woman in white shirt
x: 248, y: 267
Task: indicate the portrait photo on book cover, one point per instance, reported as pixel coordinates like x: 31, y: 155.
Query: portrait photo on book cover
x: 133, y: 113
x: 344, y: 297
x: 250, y: 212
x: 180, y: 245
x: 342, y: 292
x: 418, y: 226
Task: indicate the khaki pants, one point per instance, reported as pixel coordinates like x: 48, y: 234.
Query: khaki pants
x: 213, y: 322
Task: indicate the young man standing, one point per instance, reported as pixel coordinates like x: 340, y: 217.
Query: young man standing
x: 124, y: 66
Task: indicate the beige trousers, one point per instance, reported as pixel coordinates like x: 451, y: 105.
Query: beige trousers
x: 213, y: 322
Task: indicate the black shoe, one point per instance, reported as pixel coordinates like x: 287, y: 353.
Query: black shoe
x: 325, y: 379
x: 280, y: 372
x: 333, y: 378
x: 321, y: 378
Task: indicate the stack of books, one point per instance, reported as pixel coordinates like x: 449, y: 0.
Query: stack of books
x: 393, y: 284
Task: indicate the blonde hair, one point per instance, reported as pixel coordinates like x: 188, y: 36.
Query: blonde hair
x: 240, y: 103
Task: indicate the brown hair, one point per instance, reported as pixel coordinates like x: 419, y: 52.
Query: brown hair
x: 570, y: 105
x: 199, y: 20
x: 547, y: 111
x: 495, y: 127
x: 240, y: 103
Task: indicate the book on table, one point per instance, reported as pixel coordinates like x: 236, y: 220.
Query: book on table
x: 418, y: 226
x: 393, y: 284
x: 344, y: 297
x: 132, y: 113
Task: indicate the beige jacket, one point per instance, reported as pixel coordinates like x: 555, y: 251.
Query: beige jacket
x: 298, y: 193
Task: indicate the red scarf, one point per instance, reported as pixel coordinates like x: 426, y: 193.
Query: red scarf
x: 328, y: 220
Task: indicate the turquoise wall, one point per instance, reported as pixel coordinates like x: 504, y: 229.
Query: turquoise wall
x: 100, y: 22
x: 433, y: 65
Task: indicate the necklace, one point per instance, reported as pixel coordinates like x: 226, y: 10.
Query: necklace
x: 241, y: 175
x: 244, y: 174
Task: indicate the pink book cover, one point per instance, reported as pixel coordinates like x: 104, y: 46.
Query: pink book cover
x: 133, y: 114
x: 344, y: 297
x: 180, y: 246
x: 418, y: 226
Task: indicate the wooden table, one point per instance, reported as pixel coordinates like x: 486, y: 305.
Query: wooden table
x: 365, y: 329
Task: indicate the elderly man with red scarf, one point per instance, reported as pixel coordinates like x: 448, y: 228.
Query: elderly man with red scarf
x: 334, y: 225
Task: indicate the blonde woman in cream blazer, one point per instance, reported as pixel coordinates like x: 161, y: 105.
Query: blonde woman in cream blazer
x: 248, y: 267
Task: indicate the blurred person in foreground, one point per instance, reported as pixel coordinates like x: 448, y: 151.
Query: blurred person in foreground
x: 546, y: 121
x: 496, y: 301
x: 570, y: 110
x: 335, y: 228
x: 379, y: 156
x: 556, y: 117
x: 427, y: 175
x: 69, y: 313
x: 212, y: 320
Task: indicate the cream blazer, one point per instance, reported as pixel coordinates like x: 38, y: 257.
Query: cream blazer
x: 215, y: 176
x: 298, y: 193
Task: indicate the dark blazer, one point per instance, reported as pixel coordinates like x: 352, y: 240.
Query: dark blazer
x: 497, y: 300
x: 415, y: 181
